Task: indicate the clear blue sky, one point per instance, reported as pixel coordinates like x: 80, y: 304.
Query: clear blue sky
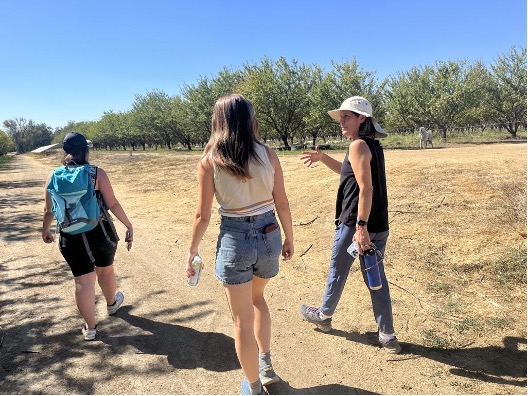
x: 72, y: 60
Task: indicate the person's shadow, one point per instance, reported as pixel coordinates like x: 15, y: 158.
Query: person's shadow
x: 284, y: 388
x: 187, y: 348
x: 489, y: 364
x: 184, y: 347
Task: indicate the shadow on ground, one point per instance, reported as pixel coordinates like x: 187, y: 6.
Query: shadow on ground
x: 184, y: 347
x: 18, y: 218
x: 284, y: 388
x: 489, y: 364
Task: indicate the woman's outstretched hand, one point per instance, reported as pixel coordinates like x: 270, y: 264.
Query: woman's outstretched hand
x: 310, y: 157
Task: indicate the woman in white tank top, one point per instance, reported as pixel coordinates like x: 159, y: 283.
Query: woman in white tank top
x: 246, y: 178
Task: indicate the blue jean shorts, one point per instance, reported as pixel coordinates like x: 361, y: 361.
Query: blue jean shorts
x: 248, y: 246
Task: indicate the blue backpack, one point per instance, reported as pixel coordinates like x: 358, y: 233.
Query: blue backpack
x: 75, y: 205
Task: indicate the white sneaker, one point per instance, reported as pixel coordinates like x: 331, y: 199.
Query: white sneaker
x: 89, y: 334
x: 119, y: 298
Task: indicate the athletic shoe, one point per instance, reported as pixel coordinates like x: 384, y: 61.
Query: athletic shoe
x: 89, y: 334
x: 245, y: 389
x: 119, y: 298
x: 392, y: 346
x: 268, y: 375
x: 312, y: 315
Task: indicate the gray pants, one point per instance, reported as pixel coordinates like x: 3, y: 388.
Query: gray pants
x: 340, y: 264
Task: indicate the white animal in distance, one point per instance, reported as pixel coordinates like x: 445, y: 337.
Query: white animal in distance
x: 426, y: 136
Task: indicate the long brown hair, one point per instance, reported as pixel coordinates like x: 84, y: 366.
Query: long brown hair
x: 233, y: 135
x: 75, y: 157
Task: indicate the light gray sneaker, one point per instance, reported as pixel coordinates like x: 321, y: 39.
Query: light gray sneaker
x: 89, y: 334
x: 312, y: 315
x: 119, y: 298
x: 267, y: 375
x: 392, y: 346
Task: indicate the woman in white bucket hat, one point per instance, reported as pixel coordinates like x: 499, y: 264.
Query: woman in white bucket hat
x: 361, y: 216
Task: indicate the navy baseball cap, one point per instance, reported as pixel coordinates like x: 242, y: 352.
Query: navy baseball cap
x: 74, y: 141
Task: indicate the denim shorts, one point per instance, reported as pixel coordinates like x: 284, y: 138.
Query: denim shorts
x: 243, y: 249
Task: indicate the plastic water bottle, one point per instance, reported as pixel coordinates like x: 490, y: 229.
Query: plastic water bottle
x: 371, y: 267
x: 197, y: 265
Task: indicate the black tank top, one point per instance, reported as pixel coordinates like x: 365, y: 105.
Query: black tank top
x: 348, y: 192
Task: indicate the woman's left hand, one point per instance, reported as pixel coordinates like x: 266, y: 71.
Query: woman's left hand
x: 47, y: 236
x: 362, y: 239
x: 287, y: 250
x: 129, y: 238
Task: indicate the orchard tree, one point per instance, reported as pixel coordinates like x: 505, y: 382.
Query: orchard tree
x: 439, y: 96
x: 317, y: 121
x: 198, y: 102
x: 27, y: 135
x: 152, y: 114
x: 279, y: 91
x: 197, y: 110
x: 6, y: 144
x: 506, y: 97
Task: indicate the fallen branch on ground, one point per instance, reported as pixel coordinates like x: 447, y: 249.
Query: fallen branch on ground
x: 306, y: 251
x: 310, y: 222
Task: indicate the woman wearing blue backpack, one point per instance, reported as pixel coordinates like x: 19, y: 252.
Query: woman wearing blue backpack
x: 78, y: 194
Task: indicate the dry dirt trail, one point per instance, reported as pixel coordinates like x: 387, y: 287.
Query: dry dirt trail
x: 170, y: 338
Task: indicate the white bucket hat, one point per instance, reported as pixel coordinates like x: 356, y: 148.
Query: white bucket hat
x: 380, y: 132
x: 359, y: 105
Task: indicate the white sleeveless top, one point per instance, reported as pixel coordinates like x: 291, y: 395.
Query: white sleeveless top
x: 252, y: 197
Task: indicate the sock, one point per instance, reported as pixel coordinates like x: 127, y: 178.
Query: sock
x: 385, y: 337
x: 256, y: 387
x: 264, y: 359
x: 111, y: 305
x: 323, y: 316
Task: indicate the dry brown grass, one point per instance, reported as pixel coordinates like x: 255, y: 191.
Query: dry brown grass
x: 456, y: 258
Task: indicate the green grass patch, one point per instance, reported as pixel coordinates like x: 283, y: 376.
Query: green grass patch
x: 434, y: 340
x: 4, y: 160
x: 440, y: 288
x: 510, y: 267
x: 468, y: 325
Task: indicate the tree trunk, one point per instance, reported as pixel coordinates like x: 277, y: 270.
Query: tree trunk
x: 512, y: 128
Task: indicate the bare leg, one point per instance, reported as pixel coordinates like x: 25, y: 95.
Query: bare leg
x: 240, y: 301
x: 107, y: 282
x: 85, y: 297
x: 262, y: 315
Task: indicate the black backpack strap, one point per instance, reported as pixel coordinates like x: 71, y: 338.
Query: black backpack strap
x: 87, y: 246
x: 106, y: 218
x: 93, y: 174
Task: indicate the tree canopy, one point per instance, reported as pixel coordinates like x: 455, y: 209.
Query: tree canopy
x: 291, y: 100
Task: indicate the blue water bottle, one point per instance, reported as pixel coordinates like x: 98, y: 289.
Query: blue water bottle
x: 371, y: 267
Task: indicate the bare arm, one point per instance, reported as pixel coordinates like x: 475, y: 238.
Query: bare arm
x: 282, y: 206
x: 103, y: 184
x: 203, y: 209
x: 47, y: 235
x: 317, y: 155
x: 360, y: 156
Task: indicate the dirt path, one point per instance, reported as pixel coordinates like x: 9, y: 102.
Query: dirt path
x: 171, y: 339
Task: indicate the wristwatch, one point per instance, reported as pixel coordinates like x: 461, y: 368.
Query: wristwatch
x: 361, y: 223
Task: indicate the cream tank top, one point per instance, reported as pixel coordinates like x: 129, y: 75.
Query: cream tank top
x: 252, y: 197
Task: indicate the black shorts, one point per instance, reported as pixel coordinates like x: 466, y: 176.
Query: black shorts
x: 76, y: 254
